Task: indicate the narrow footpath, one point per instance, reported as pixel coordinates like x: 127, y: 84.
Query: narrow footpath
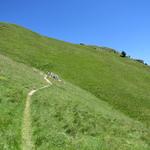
x: 27, y: 143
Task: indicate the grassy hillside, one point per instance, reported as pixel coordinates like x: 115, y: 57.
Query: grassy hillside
x: 15, y: 81
x: 63, y: 116
x: 103, y: 101
x: 121, y: 82
x: 66, y: 117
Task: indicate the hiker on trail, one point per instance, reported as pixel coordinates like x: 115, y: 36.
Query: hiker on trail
x: 53, y: 75
x: 49, y: 74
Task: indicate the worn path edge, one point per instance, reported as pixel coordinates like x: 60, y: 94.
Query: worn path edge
x: 27, y: 143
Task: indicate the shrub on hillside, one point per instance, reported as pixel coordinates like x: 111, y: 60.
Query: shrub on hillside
x: 109, y: 49
x: 140, y: 61
x: 123, y: 54
x: 2, y: 26
x: 82, y: 44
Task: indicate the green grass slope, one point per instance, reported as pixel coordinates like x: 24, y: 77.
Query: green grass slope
x: 66, y: 117
x: 15, y: 82
x: 121, y: 82
x: 63, y: 116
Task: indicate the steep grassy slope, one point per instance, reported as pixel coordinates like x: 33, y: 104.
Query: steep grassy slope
x: 15, y: 81
x: 68, y: 118
x: 123, y: 83
x: 62, y: 116
x: 65, y: 116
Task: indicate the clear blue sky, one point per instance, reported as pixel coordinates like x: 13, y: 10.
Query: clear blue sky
x: 120, y: 24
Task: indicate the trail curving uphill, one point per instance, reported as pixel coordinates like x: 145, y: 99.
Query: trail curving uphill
x: 27, y: 143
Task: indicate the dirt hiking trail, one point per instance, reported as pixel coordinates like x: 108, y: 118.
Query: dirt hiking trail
x: 27, y: 143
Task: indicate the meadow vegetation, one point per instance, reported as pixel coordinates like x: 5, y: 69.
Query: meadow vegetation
x: 15, y: 81
x: 103, y: 101
x: 66, y: 117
